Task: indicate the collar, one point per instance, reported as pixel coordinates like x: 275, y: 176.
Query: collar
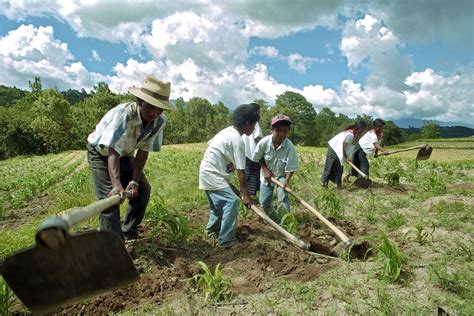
x: 283, y: 143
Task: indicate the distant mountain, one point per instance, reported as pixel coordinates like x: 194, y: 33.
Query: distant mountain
x: 417, y: 123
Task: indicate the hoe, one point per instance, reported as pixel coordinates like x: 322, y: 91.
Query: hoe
x: 65, y: 268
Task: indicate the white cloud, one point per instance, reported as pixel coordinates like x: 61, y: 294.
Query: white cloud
x: 32, y: 51
x: 266, y: 51
x: 295, y: 61
x: 96, y: 56
x: 367, y: 40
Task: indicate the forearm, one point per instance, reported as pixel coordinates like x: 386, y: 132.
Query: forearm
x: 139, y: 164
x: 243, y: 182
x: 378, y: 147
x: 288, y: 176
x: 113, y: 165
x: 263, y: 164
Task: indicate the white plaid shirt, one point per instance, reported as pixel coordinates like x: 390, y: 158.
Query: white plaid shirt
x: 121, y: 128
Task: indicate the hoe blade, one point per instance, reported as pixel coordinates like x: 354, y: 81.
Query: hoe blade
x: 424, y: 153
x: 88, y: 264
x: 363, y: 183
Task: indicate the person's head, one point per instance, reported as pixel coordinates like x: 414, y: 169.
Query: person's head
x: 357, y: 127
x: 153, y: 97
x: 281, y: 125
x: 256, y: 107
x: 244, y: 118
x: 378, y: 125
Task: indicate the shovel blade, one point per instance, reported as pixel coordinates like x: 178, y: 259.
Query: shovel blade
x: 88, y: 264
x: 363, y: 183
x: 424, y: 153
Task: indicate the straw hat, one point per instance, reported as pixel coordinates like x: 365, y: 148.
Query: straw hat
x: 154, y: 92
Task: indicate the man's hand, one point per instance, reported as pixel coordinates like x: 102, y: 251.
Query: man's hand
x: 286, y: 185
x: 132, y: 187
x: 267, y: 174
x: 230, y: 168
x: 247, y: 200
x: 118, y: 189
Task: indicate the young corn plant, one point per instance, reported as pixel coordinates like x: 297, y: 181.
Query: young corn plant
x: 331, y: 203
x: 179, y: 229
x: 215, y: 285
x: 393, y: 178
x: 290, y: 223
x: 390, y: 258
x: 423, y: 235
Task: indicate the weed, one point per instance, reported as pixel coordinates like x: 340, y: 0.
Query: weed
x: 434, y: 183
x: 217, y: 287
x: 395, y: 220
x: 393, y: 178
x: 6, y: 298
x: 244, y: 211
x: 289, y: 222
x: 448, y: 281
x: 330, y: 202
x: 300, y: 291
x: 391, y: 259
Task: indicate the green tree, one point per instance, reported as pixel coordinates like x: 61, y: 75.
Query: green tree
x: 392, y: 134
x: 301, y: 112
x: 430, y: 130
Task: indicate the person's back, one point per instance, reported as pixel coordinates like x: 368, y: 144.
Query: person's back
x: 214, y: 171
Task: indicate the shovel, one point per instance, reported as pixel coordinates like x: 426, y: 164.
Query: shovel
x: 363, y: 182
x: 64, y: 268
x: 353, y: 249
x: 345, y: 240
x: 424, y: 151
x: 297, y: 242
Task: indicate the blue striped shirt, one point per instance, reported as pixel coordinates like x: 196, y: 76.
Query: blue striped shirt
x: 121, y: 128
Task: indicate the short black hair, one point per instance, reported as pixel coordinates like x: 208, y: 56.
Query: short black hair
x: 255, y: 106
x: 244, y: 113
x: 378, y: 123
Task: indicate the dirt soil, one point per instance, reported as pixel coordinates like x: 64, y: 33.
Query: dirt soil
x: 260, y: 258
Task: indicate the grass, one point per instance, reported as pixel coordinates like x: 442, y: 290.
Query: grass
x: 425, y: 193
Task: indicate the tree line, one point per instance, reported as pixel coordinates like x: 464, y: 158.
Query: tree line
x: 40, y: 121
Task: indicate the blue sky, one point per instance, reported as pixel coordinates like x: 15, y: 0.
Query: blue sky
x: 403, y: 59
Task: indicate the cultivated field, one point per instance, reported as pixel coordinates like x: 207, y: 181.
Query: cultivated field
x: 417, y: 215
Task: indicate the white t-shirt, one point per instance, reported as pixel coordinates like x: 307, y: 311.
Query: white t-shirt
x: 249, y: 141
x: 337, y: 144
x: 225, y: 148
x: 367, y: 142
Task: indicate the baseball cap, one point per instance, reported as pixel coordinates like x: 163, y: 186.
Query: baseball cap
x: 281, y: 118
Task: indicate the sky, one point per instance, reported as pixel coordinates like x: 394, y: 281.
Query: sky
x: 388, y: 59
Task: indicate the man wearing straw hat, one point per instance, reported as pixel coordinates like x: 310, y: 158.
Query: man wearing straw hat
x: 129, y: 127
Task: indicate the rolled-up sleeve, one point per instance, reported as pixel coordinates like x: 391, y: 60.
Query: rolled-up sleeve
x: 239, y: 156
x: 259, y: 151
x: 292, y: 164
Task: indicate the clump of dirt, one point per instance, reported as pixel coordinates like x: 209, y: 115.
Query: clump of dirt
x: 260, y: 258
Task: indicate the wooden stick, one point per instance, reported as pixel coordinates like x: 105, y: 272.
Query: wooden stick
x: 336, y: 230
x: 407, y: 149
x: 299, y: 243
x: 357, y: 169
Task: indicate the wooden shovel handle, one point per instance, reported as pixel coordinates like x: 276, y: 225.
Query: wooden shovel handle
x: 357, y: 169
x: 81, y: 214
x: 407, y: 149
x: 336, y: 230
x: 299, y: 243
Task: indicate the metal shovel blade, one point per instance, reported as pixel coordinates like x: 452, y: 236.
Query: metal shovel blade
x: 363, y: 183
x: 424, y: 153
x: 87, y: 264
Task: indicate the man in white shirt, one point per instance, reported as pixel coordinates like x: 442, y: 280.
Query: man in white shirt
x: 278, y: 158
x: 110, y: 151
x: 252, y: 168
x: 368, y: 146
x: 224, y: 154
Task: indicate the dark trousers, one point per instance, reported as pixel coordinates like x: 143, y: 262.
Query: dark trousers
x: 360, y: 161
x: 110, y: 218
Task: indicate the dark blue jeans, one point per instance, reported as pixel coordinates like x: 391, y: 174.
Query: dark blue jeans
x: 110, y: 218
